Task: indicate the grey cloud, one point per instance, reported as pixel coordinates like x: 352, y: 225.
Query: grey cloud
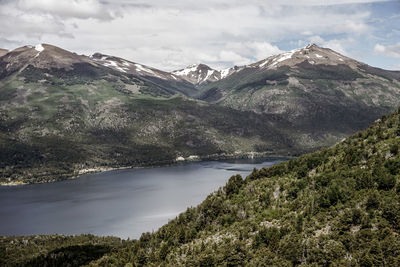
x: 8, y: 43
x: 172, y: 34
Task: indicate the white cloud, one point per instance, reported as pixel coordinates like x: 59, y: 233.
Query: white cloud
x: 329, y: 2
x: 173, y: 34
x: 388, y: 50
x: 67, y: 8
x: 334, y: 44
x: 228, y: 56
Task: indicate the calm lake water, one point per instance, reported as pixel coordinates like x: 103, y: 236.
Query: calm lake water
x: 122, y: 203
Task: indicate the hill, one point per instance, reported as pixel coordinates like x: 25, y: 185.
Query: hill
x: 338, y: 206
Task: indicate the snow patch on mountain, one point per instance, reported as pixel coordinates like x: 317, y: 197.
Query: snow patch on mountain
x: 114, y: 65
x: 186, y: 71
x: 209, y: 73
x: 39, y: 47
x: 225, y: 72
x: 143, y: 68
x: 274, y: 60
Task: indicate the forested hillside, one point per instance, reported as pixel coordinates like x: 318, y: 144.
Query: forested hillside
x: 337, y: 206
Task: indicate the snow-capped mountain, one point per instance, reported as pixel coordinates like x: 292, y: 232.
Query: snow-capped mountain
x: 200, y: 73
x: 312, y: 53
x: 47, y: 61
x: 127, y: 66
x: 40, y: 56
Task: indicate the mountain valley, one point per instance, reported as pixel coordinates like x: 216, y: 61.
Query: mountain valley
x: 64, y: 114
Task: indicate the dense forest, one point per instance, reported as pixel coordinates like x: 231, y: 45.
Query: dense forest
x: 337, y: 206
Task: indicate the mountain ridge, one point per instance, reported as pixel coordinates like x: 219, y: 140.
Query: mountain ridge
x: 62, y: 113
x: 198, y: 74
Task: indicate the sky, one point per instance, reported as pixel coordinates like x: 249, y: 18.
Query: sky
x: 170, y: 35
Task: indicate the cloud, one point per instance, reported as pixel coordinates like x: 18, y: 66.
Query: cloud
x: 334, y: 44
x: 329, y: 2
x: 82, y: 9
x: 172, y: 34
x: 388, y: 50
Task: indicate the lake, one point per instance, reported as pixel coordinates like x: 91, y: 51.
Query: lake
x: 123, y: 203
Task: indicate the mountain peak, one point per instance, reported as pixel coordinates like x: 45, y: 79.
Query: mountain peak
x: 311, y: 54
x: 198, y: 74
x: 43, y: 56
x: 311, y: 46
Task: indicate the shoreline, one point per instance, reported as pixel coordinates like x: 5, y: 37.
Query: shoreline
x: 179, y: 160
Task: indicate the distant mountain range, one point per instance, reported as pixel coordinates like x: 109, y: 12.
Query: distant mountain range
x: 63, y: 114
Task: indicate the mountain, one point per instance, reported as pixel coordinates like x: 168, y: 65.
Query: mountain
x: 339, y: 206
x: 45, y: 62
x: 312, y: 87
x: 157, y: 76
x: 202, y: 74
x: 64, y: 114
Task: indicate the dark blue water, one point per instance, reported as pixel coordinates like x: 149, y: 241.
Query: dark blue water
x: 122, y: 203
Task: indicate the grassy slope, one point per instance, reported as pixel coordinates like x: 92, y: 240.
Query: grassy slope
x: 337, y: 206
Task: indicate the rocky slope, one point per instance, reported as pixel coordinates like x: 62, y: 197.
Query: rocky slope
x: 313, y: 87
x: 166, y: 79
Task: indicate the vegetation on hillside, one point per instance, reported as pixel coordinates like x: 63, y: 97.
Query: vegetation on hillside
x: 62, y: 115
x: 55, y: 250
x: 337, y: 206
x: 53, y: 129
